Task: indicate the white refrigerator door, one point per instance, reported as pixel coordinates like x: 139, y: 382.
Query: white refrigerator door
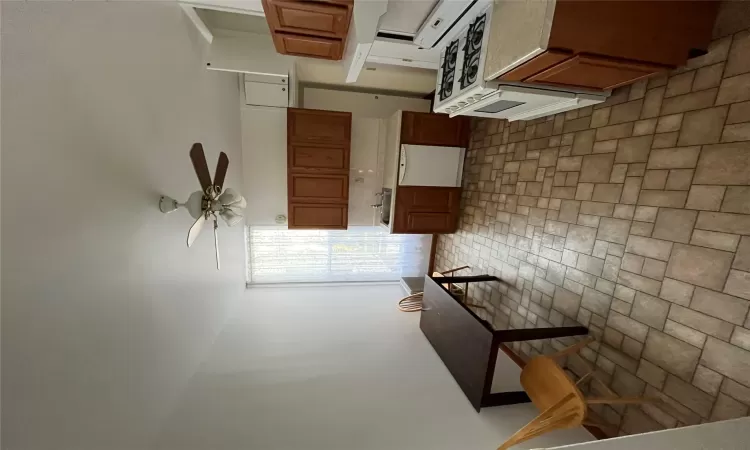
x: 423, y: 165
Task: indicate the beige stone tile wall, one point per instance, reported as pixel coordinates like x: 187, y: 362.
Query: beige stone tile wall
x: 632, y: 218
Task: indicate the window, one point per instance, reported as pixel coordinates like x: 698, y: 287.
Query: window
x: 278, y: 255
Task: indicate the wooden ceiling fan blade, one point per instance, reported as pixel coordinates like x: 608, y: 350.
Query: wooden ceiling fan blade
x: 195, y: 230
x: 221, y: 171
x: 198, y: 157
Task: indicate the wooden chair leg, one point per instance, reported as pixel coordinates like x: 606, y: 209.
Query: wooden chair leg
x: 595, y: 377
x: 575, y: 348
x: 604, y: 386
x: 584, y: 378
x: 555, y: 423
x: 550, y: 419
x: 454, y: 270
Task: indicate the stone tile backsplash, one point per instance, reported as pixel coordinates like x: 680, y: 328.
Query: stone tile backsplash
x: 631, y: 217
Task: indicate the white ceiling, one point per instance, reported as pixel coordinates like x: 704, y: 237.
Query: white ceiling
x: 415, y: 56
x: 376, y: 75
x: 373, y: 76
x: 405, y: 16
x: 215, y: 19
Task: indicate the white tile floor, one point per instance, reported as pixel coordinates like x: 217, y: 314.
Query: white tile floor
x: 335, y: 369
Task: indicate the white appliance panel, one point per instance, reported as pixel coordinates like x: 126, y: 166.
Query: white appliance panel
x: 266, y: 94
x: 442, y: 25
x: 424, y: 165
x: 405, y: 16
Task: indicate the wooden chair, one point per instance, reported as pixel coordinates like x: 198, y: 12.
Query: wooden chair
x: 451, y: 288
x: 413, y: 303
x: 561, y: 402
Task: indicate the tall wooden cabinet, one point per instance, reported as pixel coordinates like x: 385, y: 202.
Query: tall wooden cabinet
x: 318, y: 148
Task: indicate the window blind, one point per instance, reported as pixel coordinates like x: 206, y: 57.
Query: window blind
x: 279, y: 255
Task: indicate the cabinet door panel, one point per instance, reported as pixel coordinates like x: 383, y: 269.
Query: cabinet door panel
x: 536, y: 65
x: 595, y: 72
x: 309, y: 46
x: 317, y: 157
x: 318, y: 188
x: 323, y: 127
x: 434, y: 129
x: 429, y: 222
x: 318, y: 19
x: 318, y: 216
x: 420, y: 198
x: 651, y: 31
x: 423, y: 209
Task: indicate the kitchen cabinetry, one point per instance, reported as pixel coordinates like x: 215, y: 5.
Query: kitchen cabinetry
x: 318, y: 149
x: 318, y: 156
x: 422, y: 209
x: 306, y: 126
x: 426, y: 209
x: 318, y: 188
x: 434, y: 129
x: 311, y: 46
x: 595, y: 72
x: 266, y: 90
x: 318, y: 216
x: 313, y: 29
x: 602, y: 45
x: 319, y: 19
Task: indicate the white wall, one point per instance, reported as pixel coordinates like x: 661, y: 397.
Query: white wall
x: 361, y: 104
x: 236, y: 51
x: 240, y: 6
x: 264, y: 163
x: 335, y: 369
x: 106, y: 314
x: 265, y: 152
x: 387, y: 77
x: 364, y: 178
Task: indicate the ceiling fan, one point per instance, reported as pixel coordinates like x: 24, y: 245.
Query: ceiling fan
x: 210, y: 202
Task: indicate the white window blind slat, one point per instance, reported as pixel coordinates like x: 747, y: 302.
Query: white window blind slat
x: 279, y: 255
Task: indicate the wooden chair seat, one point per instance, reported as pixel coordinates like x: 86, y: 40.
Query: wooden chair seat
x: 561, y: 403
x: 546, y: 384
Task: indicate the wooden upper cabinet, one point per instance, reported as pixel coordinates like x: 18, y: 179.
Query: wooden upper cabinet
x: 321, y: 127
x: 434, y: 129
x: 595, y: 72
x: 426, y: 210
x: 320, y: 188
x: 313, y: 46
x: 600, y: 45
x: 321, y: 157
x: 318, y: 147
x: 649, y: 31
x: 317, y: 19
x: 314, y: 29
x: 318, y: 216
